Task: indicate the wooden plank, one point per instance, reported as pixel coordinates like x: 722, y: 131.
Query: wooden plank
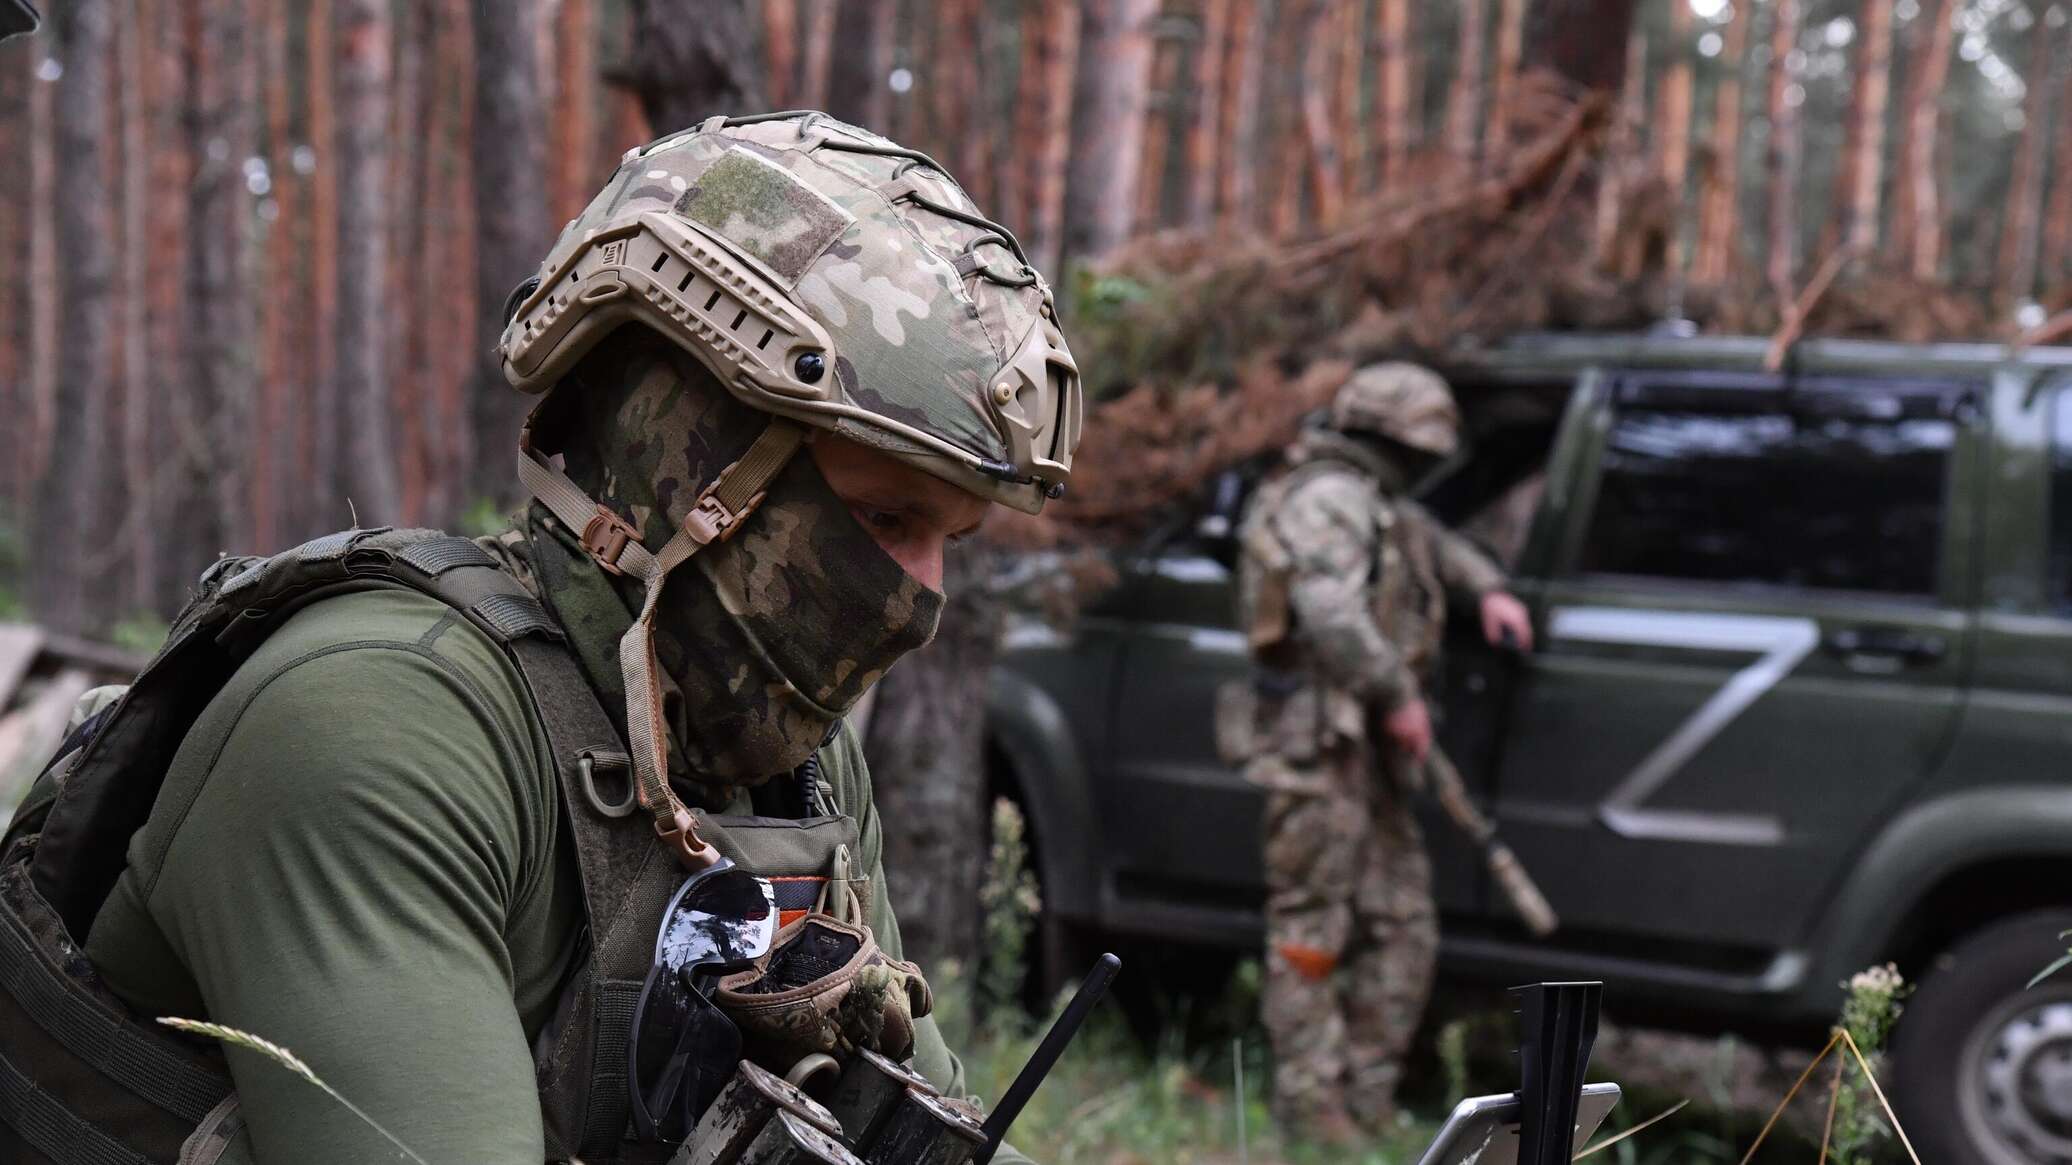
x: 19, y: 644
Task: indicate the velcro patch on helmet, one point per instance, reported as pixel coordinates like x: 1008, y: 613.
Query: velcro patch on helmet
x: 765, y: 210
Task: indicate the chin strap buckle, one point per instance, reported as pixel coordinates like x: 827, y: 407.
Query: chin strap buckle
x: 606, y: 537
x: 711, y: 521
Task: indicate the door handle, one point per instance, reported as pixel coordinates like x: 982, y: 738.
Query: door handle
x: 1893, y: 644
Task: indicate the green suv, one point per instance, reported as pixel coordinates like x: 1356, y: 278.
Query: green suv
x: 1802, y: 705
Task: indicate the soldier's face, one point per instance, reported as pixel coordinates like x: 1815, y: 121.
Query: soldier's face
x: 910, y: 514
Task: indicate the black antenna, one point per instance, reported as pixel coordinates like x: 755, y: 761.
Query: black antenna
x: 1046, y: 1055
x: 1557, y: 1023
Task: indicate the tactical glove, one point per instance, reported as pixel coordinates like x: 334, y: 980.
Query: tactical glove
x: 825, y: 987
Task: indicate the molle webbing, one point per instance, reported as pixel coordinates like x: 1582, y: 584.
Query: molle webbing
x: 83, y: 1081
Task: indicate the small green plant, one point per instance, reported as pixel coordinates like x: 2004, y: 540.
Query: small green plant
x: 288, y: 1060
x: 482, y: 518
x: 141, y: 632
x: 1009, y: 901
x: 1869, y: 1013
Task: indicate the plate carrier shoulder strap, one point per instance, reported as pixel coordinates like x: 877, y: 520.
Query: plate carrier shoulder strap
x: 83, y: 1080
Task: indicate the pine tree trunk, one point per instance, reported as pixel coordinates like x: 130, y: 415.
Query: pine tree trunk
x: 1917, y: 194
x: 1781, y: 156
x: 1352, y: 48
x: 217, y: 304
x: 17, y: 72
x: 1672, y: 121
x: 1049, y: 66
x: 1510, y: 52
x: 1160, y: 103
x: 1862, y: 171
x: 1204, y: 130
x: 925, y: 746
x: 1614, y: 248
x: 857, y: 90
x: 684, y: 71
x: 1464, y: 102
x: 2015, y: 272
x: 2057, y: 220
x: 819, y: 52
x: 1237, y: 170
x: 1108, y: 108
x: 575, y: 110
x: 780, y: 51
x: 44, y: 292
x: 72, y: 513
x: 455, y: 250
x: 365, y: 220
x: 320, y: 509
x: 1398, y: 111
x: 512, y: 230
x: 1584, y: 41
x: 135, y: 35
x: 1719, y: 200
x: 167, y: 315
x: 408, y: 181
x: 1319, y: 139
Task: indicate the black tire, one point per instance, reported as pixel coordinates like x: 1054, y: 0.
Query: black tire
x: 1981, y: 1062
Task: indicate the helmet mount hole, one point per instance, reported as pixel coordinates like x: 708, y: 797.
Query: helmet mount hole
x: 764, y: 342
x: 659, y: 261
x: 686, y: 280
x: 736, y: 325
x: 714, y: 298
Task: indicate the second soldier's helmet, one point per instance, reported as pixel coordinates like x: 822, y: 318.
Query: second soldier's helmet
x: 828, y: 275
x: 1403, y: 402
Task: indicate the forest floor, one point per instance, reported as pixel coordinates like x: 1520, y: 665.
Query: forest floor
x: 1116, y: 1100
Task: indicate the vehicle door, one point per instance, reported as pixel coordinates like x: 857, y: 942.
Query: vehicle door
x: 1181, y: 827
x: 1753, y: 637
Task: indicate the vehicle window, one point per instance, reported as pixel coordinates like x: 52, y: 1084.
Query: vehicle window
x: 1810, y: 498
x: 2061, y: 498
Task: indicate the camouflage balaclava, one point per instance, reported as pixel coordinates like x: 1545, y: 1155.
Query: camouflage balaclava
x: 764, y: 640
x: 820, y: 279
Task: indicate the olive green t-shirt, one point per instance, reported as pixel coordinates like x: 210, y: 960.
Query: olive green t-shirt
x: 358, y: 855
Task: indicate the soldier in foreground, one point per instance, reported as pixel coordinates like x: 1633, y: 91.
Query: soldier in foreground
x: 1343, y: 586
x: 447, y: 818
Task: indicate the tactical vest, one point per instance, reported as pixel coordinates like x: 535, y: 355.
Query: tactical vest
x: 1406, y: 597
x: 84, y: 1081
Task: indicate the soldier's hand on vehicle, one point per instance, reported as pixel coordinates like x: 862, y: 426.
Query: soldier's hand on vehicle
x: 1409, y: 728
x: 1506, y: 622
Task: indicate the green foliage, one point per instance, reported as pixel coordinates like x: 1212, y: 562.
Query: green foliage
x: 1869, y: 1013
x: 12, y: 605
x: 1009, y: 901
x: 141, y: 631
x: 482, y: 518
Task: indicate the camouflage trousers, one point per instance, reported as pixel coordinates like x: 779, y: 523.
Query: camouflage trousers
x: 1352, y: 936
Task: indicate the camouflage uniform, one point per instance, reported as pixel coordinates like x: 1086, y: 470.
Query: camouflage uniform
x: 1343, y: 588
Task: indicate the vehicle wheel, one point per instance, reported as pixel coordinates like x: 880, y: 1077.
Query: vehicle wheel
x: 1982, y: 1063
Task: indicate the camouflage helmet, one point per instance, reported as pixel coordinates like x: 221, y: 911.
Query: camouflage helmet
x: 828, y: 275
x: 1403, y: 402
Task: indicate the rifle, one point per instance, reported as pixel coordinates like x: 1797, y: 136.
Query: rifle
x: 1445, y: 784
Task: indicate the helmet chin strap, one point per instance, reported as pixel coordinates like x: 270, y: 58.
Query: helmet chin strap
x: 616, y: 548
